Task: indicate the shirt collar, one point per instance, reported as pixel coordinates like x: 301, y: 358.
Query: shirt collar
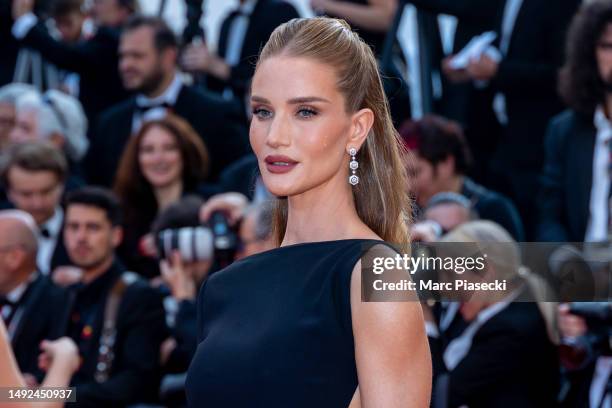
x: 603, y: 125
x: 54, y: 224
x: 15, y: 295
x: 247, y: 7
x: 169, y: 96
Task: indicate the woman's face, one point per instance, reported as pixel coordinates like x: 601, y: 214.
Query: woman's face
x: 160, y: 158
x: 300, y: 130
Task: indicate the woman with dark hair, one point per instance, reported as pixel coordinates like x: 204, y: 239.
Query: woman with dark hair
x: 164, y: 161
x: 288, y: 327
x: 575, y: 186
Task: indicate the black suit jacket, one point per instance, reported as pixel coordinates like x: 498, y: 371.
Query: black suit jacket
x: 266, y: 16
x: 95, y: 60
x: 8, y: 45
x: 565, y: 184
x: 218, y: 122
x: 527, y: 76
x: 141, y: 328
x: 511, y: 363
x: 495, y: 207
x: 38, y: 317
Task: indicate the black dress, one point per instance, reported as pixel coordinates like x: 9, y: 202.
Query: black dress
x: 275, y: 330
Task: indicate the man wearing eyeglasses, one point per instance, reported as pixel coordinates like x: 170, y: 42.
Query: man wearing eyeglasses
x: 30, y: 304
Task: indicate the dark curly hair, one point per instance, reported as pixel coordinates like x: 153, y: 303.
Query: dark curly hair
x: 580, y: 84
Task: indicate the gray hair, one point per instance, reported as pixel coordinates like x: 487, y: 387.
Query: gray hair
x: 58, y: 113
x: 11, y: 92
x: 263, y: 212
x: 29, y: 225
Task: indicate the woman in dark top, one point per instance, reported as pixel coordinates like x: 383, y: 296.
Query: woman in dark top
x: 163, y: 162
x: 287, y: 327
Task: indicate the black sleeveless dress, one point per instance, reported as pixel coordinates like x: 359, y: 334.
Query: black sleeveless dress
x: 275, y: 330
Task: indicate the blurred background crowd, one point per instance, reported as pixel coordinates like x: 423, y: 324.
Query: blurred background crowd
x: 127, y: 178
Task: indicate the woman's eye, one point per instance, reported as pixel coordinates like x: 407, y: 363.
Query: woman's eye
x: 262, y: 113
x: 307, y: 113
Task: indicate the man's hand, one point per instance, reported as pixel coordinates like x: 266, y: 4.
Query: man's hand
x: 66, y: 275
x: 61, y: 351
x: 232, y: 204
x: 21, y: 7
x: 483, y: 68
x: 570, y: 325
x: 454, y: 75
x: 181, y: 284
x: 196, y: 57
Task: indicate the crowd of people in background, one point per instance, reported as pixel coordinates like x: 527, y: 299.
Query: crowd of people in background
x: 127, y: 178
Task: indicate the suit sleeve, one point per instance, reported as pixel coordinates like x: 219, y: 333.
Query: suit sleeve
x: 186, y: 336
x: 137, y: 368
x: 83, y: 58
x: 551, y: 206
x: 241, y: 74
x: 522, y: 76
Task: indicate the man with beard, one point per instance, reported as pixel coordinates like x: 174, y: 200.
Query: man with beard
x: 116, y: 319
x: 575, y: 187
x: 148, y: 66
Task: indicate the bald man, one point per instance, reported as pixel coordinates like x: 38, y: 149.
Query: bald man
x: 31, y: 306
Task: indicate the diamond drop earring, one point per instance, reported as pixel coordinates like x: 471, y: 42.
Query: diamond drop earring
x: 353, y: 165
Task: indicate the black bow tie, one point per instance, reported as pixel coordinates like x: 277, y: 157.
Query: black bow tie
x: 4, y: 301
x: 45, y: 232
x: 144, y: 108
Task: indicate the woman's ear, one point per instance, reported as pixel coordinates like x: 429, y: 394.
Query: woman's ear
x: 362, y: 122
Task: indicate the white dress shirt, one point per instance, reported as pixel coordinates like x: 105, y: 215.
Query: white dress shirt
x: 235, y: 38
x: 169, y: 97
x: 597, y: 227
x: 47, y: 244
x: 14, y: 296
x: 603, y: 369
x: 511, y: 11
x: 237, y: 32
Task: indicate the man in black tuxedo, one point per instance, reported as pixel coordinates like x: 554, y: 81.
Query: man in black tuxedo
x: 148, y: 55
x: 575, y: 184
x: 243, y: 33
x: 35, y: 177
x: 95, y: 59
x: 30, y: 304
x: 522, y: 72
x: 8, y: 45
x: 116, y: 319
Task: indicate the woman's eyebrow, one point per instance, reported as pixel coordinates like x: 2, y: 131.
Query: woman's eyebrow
x: 293, y: 101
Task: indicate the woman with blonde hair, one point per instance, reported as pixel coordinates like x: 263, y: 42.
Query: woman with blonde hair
x: 287, y: 327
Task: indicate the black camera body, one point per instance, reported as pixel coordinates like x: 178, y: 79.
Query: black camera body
x: 215, y: 241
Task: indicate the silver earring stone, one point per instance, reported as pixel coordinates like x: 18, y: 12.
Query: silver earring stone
x: 353, y: 165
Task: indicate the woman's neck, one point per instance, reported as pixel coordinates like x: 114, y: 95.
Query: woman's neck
x: 325, y: 213
x: 168, y: 194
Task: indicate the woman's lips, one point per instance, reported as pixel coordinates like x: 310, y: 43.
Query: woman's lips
x: 280, y: 164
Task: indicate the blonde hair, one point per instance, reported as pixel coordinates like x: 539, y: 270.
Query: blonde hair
x: 381, y: 197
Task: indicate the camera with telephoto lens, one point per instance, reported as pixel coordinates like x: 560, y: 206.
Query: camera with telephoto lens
x: 215, y: 240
